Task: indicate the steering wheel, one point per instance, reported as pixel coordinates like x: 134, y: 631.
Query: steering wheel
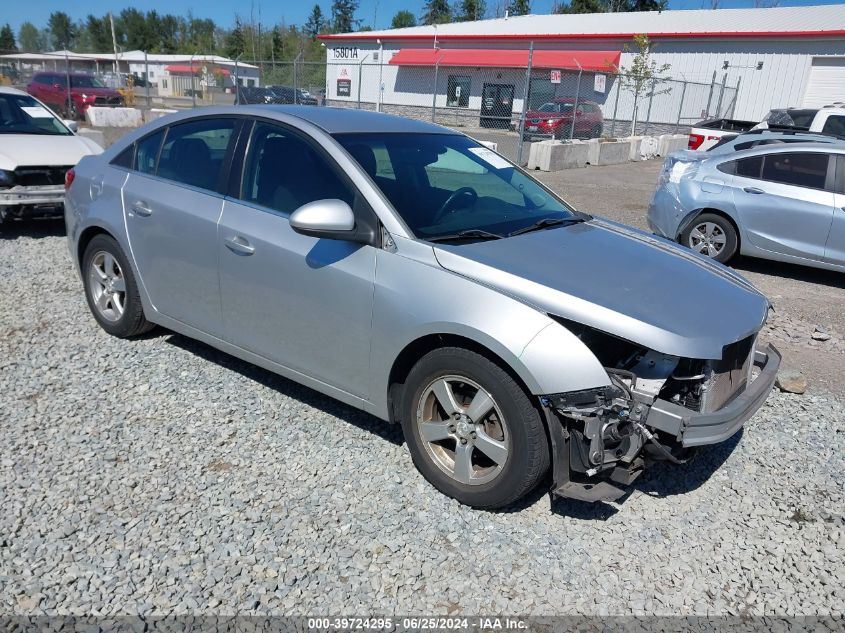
x: 463, y: 191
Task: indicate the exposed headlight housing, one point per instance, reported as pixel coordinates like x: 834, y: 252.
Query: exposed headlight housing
x: 7, y: 178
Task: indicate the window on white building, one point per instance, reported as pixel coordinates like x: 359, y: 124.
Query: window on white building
x: 457, y: 91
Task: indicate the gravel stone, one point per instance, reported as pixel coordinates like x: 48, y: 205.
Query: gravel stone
x: 160, y: 476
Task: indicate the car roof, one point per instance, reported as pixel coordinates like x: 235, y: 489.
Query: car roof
x: 837, y: 147
x: 12, y: 91
x: 347, y: 120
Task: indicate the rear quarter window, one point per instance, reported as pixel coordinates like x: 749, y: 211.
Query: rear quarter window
x: 801, y: 170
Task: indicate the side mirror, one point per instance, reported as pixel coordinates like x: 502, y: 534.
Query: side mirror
x: 331, y: 219
x: 73, y: 126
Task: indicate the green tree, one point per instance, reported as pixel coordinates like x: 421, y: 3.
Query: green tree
x: 582, y: 6
x: 235, y: 41
x: 98, y: 33
x: 168, y: 34
x: 62, y: 30
x: 31, y: 40
x: 436, y: 12
x: 469, y: 10
x: 519, y: 7
x: 644, y: 5
x: 643, y: 76
x: 316, y: 22
x: 403, y: 19
x: 343, y: 15
x: 7, y: 39
x: 277, y: 41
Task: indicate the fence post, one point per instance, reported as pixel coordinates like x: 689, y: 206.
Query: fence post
x: 296, y: 80
x: 681, y: 107
x: 577, y: 94
x: 736, y: 97
x: 237, y: 86
x: 526, y: 89
x: 721, y: 94
x: 434, y: 89
x: 193, y: 88
x: 147, y: 80
x: 380, y: 79
x: 710, y: 95
x: 615, y: 107
x: 648, y: 112
x: 68, y: 99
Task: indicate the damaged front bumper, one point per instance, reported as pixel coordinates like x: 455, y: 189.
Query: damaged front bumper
x: 601, y: 439
x: 32, y: 196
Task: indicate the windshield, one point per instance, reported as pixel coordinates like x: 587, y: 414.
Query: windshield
x: 442, y: 184
x: 556, y: 107
x: 21, y: 114
x: 791, y: 118
x: 85, y: 81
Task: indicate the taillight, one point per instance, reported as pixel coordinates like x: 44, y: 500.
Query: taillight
x: 69, y: 176
x: 695, y: 141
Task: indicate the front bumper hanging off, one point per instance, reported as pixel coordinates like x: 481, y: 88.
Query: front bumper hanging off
x: 688, y: 428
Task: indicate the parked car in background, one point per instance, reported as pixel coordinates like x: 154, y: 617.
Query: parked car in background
x: 280, y: 95
x: 409, y: 271
x: 783, y: 202
x: 36, y: 151
x: 72, y: 94
x: 562, y: 118
x: 756, y: 138
x: 827, y: 120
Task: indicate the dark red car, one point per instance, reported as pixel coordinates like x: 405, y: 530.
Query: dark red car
x: 557, y: 117
x: 85, y: 91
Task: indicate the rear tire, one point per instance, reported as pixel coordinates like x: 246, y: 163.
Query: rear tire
x: 111, y: 289
x: 711, y: 235
x: 487, y: 446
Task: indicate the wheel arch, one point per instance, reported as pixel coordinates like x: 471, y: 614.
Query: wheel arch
x: 422, y: 345
x: 85, y: 237
x: 683, y: 226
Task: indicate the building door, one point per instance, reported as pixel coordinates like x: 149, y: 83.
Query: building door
x: 826, y: 83
x: 496, y: 105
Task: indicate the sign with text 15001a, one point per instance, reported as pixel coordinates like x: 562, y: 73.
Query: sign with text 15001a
x: 600, y: 83
x: 554, y: 75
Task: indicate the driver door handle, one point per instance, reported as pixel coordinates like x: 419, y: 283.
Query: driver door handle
x: 752, y: 190
x: 140, y: 208
x: 239, y: 245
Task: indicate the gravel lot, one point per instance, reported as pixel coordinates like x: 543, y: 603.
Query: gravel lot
x: 158, y: 476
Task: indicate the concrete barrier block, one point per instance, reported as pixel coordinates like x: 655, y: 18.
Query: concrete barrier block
x: 643, y: 147
x: 635, y: 147
x: 592, y: 151
x: 534, y: 152
x: 614, y: 152
x: 95, y: 135
x: 113, y: 117
x: 669, y: 143
x: 567, y: 155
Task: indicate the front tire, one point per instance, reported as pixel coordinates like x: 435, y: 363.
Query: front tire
x: 711, y: 235
x: 111, y: 289
x: 472, y: 431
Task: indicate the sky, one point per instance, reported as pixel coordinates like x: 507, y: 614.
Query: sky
x: 289, y: 11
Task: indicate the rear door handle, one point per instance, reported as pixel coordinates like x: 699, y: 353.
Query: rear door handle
x: 239, y: 245
x: 140, y: 207
x: 752, y: 190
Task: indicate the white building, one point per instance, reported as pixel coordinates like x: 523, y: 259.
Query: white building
x: 765, y: 58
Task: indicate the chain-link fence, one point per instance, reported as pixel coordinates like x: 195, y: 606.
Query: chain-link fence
x: 507, y: 106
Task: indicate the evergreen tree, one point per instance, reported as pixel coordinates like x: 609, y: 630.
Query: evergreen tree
x: 235, y: 42
x: 31, y: 40
x: 519, y: 7
x: 436, y: 12
x: 469, y: 10
x: 315, y: 23
x: 403, y: 19
x: 343, y: 15
x: 98, y: 33
x: 7, y: 39
x: 62, y: 30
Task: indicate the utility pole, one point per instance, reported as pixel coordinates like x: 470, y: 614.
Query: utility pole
x: 113, y: 41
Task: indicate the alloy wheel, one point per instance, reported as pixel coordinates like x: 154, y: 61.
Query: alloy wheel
x: 707, y: 238
x: 463, y: 430
x: 107, y: 286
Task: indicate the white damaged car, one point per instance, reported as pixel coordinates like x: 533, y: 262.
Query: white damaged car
x: 36, y: 151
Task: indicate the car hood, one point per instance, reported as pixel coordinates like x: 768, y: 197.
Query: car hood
x: 621, y: 281
x: 536, y: 114
x: 97, y: 92
x: 18, y: 150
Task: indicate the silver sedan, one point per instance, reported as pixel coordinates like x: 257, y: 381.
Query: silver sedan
x: 784, y: 202
x: 407, y: 270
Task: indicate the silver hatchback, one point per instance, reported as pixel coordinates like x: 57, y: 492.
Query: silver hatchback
x: 407, y: 270
x: 784, y: 202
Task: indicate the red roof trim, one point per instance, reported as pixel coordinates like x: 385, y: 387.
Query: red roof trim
x: 197, y: 69
x: 587, y: 36
x: 601, y: 61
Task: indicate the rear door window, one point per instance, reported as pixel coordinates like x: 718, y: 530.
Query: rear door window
x: 749, y: 167
x: 193, y: 153
x: 834, y: 125
x: 800, y: 170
